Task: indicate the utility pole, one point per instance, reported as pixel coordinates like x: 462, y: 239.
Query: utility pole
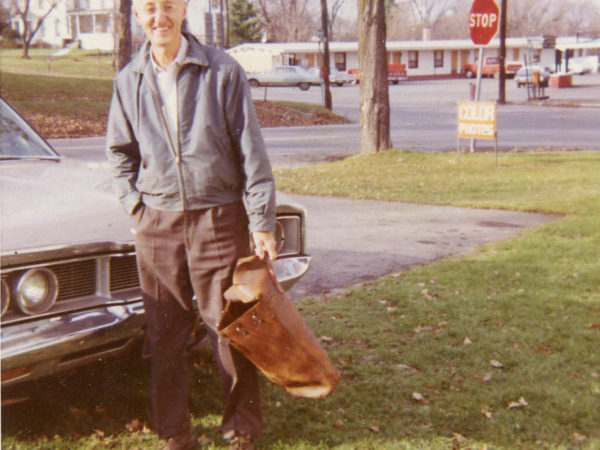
x: 502, y: 81
x: 325, y: 69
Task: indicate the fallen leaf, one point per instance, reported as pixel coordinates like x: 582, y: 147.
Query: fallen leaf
x: 134, y: 426
x: 203, y: 440
x: 428, y: 295
x: 487, y: 377
x: 578, y: 437
x: 338, y: 424
x: 326, y: 339
x: 467, y: 341
x: 594, y: 326
x: 99, y: 433
x: 457, y: 440
x: 521, y: 403
x: 418, y: 398
x: 486, y: 412
x: 391, y: 309
x: 496, y: 364
x: 374, y: 429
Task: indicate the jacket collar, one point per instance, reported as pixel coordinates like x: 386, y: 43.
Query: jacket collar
x: 196, y: 54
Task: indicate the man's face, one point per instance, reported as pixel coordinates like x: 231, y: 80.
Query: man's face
x: 161, y: 20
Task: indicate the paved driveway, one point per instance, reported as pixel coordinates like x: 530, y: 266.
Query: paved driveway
x: 353, y: 241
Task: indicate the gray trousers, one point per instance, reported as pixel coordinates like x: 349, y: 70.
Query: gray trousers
x: 179, y: 255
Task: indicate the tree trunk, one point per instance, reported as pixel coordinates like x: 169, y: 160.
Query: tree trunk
x: 326, y: 69
x: 374, y: 94
x: 123, y: 32
x: 25, y: 54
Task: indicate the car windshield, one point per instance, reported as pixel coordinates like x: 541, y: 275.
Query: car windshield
x: 18, y: 140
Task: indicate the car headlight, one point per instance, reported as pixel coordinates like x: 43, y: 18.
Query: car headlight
x: 5, y: 296
x: 35, y: 291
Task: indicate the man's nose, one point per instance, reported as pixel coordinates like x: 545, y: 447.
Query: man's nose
x: 160, y: 14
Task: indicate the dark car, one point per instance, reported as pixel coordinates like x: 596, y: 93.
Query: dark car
x: 70, y: 290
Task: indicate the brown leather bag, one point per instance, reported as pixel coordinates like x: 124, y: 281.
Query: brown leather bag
x: 265, y: 326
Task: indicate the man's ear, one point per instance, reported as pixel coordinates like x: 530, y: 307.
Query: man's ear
x: 135, y: 12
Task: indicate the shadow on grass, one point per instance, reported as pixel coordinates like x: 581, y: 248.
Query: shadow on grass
x: 104, y: 399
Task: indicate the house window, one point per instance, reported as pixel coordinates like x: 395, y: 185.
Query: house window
x: 413, y: 59
x: 86, y: 24
x: 340, y: 61
x: 438, y: 58
x: 102, y: 23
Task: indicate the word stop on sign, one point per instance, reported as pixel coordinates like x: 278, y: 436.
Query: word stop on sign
x: 483, y: 20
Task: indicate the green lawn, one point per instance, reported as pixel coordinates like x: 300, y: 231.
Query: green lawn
x: 498, y: 349
x: 77, y: 63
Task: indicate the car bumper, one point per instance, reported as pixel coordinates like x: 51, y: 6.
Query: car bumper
x: 42, y: 347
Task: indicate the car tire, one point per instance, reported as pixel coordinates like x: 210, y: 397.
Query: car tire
x: 304, y: 86
x: 470, y: 74
x: 253, y: 82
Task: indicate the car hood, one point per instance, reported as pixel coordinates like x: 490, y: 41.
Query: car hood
x: 57, y: 203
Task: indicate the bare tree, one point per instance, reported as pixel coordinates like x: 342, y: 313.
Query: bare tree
x: 288, y: 20
x: 123, y: 42
x: 374, y: 94
x: 428, y: 12
x: 334, y: 10
x: 30, y: 21
x: 536, y: 17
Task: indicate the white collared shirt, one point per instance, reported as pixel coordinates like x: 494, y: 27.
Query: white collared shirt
x: 167, y: 85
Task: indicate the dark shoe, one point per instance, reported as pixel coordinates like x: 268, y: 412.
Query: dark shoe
x: 183, y: 441
x: 241, y: 443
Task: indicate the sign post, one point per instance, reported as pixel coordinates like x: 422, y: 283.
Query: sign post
x: 484, y: 19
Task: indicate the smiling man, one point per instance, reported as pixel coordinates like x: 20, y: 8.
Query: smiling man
x: 190, y: 166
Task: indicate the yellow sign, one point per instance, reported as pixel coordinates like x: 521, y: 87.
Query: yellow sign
x: 477, y: 120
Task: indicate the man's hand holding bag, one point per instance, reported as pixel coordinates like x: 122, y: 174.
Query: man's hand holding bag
x: 265, y: 326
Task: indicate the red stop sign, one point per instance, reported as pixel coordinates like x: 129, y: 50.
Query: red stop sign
x: 484, y: 18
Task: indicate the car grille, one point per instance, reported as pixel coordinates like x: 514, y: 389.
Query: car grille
x: 123, y: 273
x: 75, y: 279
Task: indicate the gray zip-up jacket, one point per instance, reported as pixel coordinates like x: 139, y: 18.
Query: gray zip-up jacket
x: 218, y: 155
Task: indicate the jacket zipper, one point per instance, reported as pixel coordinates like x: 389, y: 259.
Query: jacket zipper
x: 176, y: 150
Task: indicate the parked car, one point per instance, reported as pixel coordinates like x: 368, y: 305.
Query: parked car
x: 525, y: 75
x: 285, y: 76
x: 491, y: 68
x: 396, y: 73
x: 70, y: 291
x: 337, y: 77
x: 341, y: 77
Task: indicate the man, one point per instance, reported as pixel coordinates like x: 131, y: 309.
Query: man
x: 190, y: 167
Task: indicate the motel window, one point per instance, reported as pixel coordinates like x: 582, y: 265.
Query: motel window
x: 438, y: 58
x: 340, y: 61
x: 413, y: 59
